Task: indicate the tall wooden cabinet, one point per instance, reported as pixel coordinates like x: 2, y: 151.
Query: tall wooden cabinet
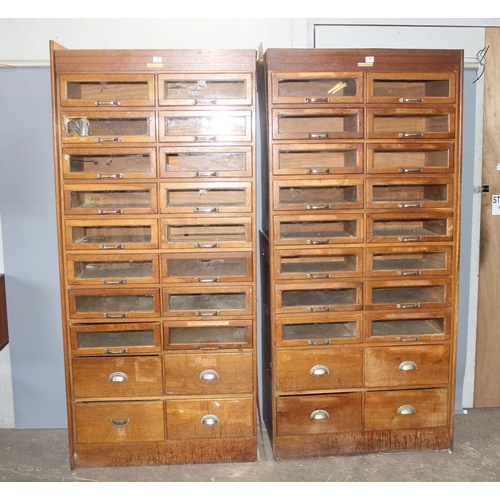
x: 359, y: 248
x: 156, y: 202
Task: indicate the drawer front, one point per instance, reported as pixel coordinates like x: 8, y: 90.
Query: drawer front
x: 120, y: 422
x: 210, y: 418
x: 206, y: 162
x: 215, y: 373
x: 408, y: 409
x: 297, y: 415
x: 213, y: 334
x: 104, y: 165
x: 407, y: 366
x: 115, y: 339
x: 317, y: 160
x: 117, y: 377
x: 319, y: 369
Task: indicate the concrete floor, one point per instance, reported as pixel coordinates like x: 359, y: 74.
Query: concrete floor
x: 42, y: 456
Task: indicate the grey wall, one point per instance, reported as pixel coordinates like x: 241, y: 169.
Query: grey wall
x: 27, y: 205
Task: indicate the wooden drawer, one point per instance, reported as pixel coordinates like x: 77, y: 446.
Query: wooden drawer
x: 210, y: 418
x: 212, y: 334
x: 205, y: 89
x: 103, y: 90
x: 211, y: 373
x: 407, y: 366
x: 317, y: 160
x: 117, y: 377
x: 206, y: 162
x: 114, y: 164
x: 407, y: 409
x: 222, y: 267
x: 319, y: 368
x: 207, y: 198
x: 317, y: 195
x: 296, y: 415
x: 115, y: 339
x: 103, y: 127
x: 120, y: 422
x: 316, y: 88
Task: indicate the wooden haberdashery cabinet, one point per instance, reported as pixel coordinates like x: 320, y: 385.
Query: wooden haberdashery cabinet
x: 156, y: 206
x: 359, y: 248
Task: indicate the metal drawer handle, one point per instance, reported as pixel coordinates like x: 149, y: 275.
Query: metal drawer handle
x: 206, y: 174
x: 211, y: 280
x: 108, y: 139
x: 318, y: 207
x: 115, y: 316
x: 409, y: 205
x: 409, y: 306
x: 319, y: 310
x: 316, y: 99
x: 319, y: 276
x: 411, y: 99
x: 112, y: 212
x: 115, y: 247
x: 319, y: 370
x: 109, y: 176
x: 205, y: 101
x: 409, y: 273
x: 414, y: 238
x: 312, y: 342
x: 414, y: 339
x: 205, y: 137
x: 406, y: 410
x: 210, y: 420
x: 118, y: 377
x: 319, y: 415
x: 107, y: 103
x: 411, y: 170
x: 319, y: 171
x: 407, y: 366
x: 209, y: 375
x: 315, y: 242
x: 201, y: 245
x: 120, y: 423
x: 326, y: 135
x: 206, y: 210
x: 121, y: 351
x: 409, y: 134
x: 119, y: 282
x: 215, y: 313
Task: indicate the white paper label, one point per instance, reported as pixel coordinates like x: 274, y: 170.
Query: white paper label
x: 157, y: 59
x: 495, y: 204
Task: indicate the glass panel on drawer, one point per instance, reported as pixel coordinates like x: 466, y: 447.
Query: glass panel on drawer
x: 112, y: 269
x: 316, y: 124
x: 209, y: 89
x: 110, y: 199
x: 107, y: 90
x: 317, y: 160
x: 209, y: 268
x: 411, y: 87
x: 205, y: 126
x: 115, y: 339
x: 317, y: 88
x: 110, y: 127
x: 206, y: 162
x: 318, y: 195
x: 206, y: 198
x: 208, y: 334
x: 114, y: 164
x: 410, y: 159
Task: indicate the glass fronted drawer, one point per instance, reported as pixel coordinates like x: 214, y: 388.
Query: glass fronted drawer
x: 308, y: 331
x: 107, y: 90
x: 424, y: 261
x: 410, y: 159
x: 207, y: 302
x: 205, y: 126
x: 107, y: 127
x: 317, y: 124
x: 115, y: 338
x: 206, y: 198
x: 317, y: 87
x: 206, y: 162
x: 409, y: 194
x: 114, y: 304
x: 205, y: 89
x: 315, y: 230
x: 400, y: 123
x: 207, y: 268
x: 408, y: 327
x: 318, y: 298
x: 319, y: 265
x: 317, y: 195
x: 91, y: 269
x: 112, y: 164
x: 208, y: 335
x: 411, y: 295
x: 98, y: 234
x: 317, y: 160
x: 411, y: 88
x: 208, y: 234
x: 409, y: 227
x: 209, y: 373
x: 110, y: 199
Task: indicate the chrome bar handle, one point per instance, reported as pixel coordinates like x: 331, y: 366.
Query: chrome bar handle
x: 108, y: 139
x: 414, y: 339
x: 206, y: 210
x: 115, y: 247
x: 409, y: 273
x: 205, y: 137
x: 326, y: 135
x: 411, y: 170
x: 205, y: 101
x: 319, y: 310
x: 411, y: 99
x: 111, y: 212
x: 107, y: 103
x: 109, y: 176
x: 315, y: 242
x: 409, y: 306
x: 314, y: 100
x: 410, y: 239
x: 327, y: 342
x: 119, y: 282
x: 208, y: 280
x: 115, y: 316
x: 319, y: 171
x: 200, y: 245
x: 319, y: 207
x: 410, y: 205
x: 206, y: 174
x: 215, y: 313
x: 121, y: 351
x: 410, y: 134
x: 319, y: 276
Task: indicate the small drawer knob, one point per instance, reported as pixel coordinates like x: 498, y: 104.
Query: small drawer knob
x: 209, y: 375
x: 210, y: 420
x: 319, y: 415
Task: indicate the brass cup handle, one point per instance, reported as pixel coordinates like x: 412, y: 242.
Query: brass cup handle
x: 209, y: 375
x: 319, y: 370
x: 319, y: 415
x: 210, y: 419
x: 406, y: 410
x: 118, y: 377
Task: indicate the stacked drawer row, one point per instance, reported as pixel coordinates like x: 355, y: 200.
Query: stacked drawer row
x: 155, y: 174
x: 360, y: 242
